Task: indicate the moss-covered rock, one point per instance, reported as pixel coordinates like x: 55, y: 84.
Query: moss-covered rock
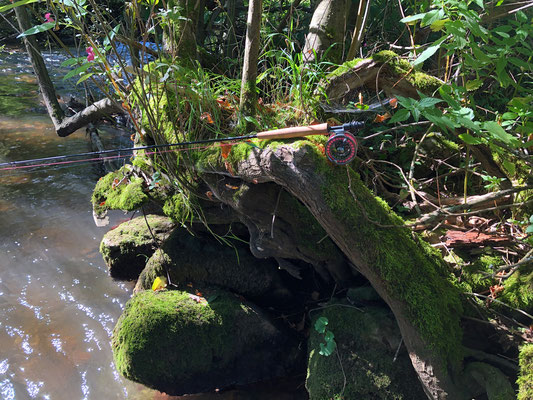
x: 180, y: 343
x: 127, y: 247
x: 494, y: 383
x: 525, y: 380
x: 205, y: 261
x: 119, y: 190
x: 366, y: 346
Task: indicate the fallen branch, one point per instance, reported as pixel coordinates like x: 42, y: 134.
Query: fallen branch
x: 436, y: 216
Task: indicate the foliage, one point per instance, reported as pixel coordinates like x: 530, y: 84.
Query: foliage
x: 328, y: 348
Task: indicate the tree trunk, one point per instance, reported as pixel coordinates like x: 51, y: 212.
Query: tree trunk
x: 406, y: 274
x: 179, y: 37
x: 327, y: 29
x: 251, y: 53
x: 359, y: 30
x: 43, y: 79
x: 63, y: 126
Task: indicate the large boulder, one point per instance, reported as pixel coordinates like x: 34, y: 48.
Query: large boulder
x: 364, y: 364
x: 180, y: 343
x: 127, y: 247
x: 203, y: 260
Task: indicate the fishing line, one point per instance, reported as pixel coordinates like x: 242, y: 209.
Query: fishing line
x: 88, y: 160
x: 94, y: 153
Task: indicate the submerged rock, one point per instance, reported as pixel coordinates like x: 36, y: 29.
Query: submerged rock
x: 127, y: 247
x: 205, y: 261
x: 181, y: 343
x: 366, y: 343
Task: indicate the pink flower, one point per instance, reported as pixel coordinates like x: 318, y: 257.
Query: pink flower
x: 48, y: 17
x: 90, y: 53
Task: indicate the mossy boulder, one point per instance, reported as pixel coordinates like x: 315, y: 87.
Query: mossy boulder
x: 204, y: 261
x: 127, y: 247
x: 181, y: 343
x: 493, y: 382
x: 366, y: 345
x: 119, y: 190
x: 525, y: 380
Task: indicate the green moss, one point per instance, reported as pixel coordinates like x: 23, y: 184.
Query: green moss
x: 118, y: 191
x: 491, y: 379
x: 345, y: 67
x: 178, y: 207
x: 179, y: 343
x: 525, y: 379
x: 518, y: 289
x: 145, y: 341
x: 420, y: 80
x: 366, y: 344
x: 413, y: 271
x: 473, y: 273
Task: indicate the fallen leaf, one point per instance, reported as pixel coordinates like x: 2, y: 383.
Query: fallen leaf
x: 229, y: 168
x: 102, y: 204
x: 209, y: 194
x: 381, y: 118
x: 159, y: 283
x: 207, y: 117
x: 495, y: 289
x: 360, y: 98
x: 393, y: 102
x: 231, y: 187
x: 225, y: 149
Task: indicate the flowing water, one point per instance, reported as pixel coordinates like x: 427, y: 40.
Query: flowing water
x: 57, y: 304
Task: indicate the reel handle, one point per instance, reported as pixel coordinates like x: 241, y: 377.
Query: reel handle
x: 296, y: 131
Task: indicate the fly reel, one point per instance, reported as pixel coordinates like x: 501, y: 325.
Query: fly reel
x: 341, y: 147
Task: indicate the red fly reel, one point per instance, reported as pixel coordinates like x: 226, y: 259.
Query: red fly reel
x: 341, y: 148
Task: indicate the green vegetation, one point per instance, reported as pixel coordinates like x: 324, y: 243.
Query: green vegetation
x: 525, y: 380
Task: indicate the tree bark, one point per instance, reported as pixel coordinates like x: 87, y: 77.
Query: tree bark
x: 326, y: 29
x: 251, y: 53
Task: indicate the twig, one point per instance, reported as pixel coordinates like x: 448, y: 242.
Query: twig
x: 528, y: 258
x: 274, y: 214
x: 500, y: 302
x: 342, y: 369
x: 397, y: 350
x: 394, y: 128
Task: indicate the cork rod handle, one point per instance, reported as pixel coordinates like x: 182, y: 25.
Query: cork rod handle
x: 296, y: 131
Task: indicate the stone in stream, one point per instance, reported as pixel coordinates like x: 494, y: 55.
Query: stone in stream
x: 180, y: 343
x: 127, y: 247
x: 203, y: 260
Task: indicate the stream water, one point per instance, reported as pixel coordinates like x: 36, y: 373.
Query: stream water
x: 57, y: 304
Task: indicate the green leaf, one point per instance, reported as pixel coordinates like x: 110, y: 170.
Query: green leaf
x: 509, y: 115
x: 77, y: 71
x: 531, y: 219
x: 474, y: 84
x: 428, y: 102
x: 439, y: 24
x: 16, y: 4
x: 431, y: 17
x: 429, y: 51
x: 72, y: 61
x: 320, y: 324
x: 412, y: 18
x: 519, y: 63
x: 498, y: 132
x: 400, y: 116
x: 84, y: 77
x: 529, y: 229
x: 38, y: 29
x: 469, y: 139
x: 509, y: 167
x: 480, y: 3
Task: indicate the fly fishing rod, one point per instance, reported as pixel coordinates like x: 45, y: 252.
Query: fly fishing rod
x: 341, y: 146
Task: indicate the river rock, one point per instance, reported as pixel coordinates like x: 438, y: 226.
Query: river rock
x: 179, y: 343
x: 202, y: 260
x: 127, y: 247
x: 366, y: 343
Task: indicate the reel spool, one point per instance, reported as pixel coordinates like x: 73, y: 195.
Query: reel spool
x: 341, y: 148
